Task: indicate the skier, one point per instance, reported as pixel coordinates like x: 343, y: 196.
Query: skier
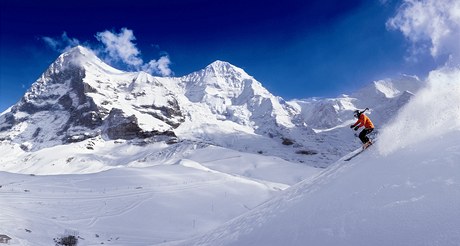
x: 363, y: 120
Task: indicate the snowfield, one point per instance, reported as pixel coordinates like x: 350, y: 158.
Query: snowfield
x: 125, y: 206
x: 172, y: 194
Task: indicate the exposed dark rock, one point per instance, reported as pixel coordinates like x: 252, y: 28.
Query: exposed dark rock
x: 119, y: 126
x: 37, y: 131
x: 89, y: 119
x: 7, y: 121
x: 65, y: 101
x: 171, y: 115
x: 24, y: 147
x: 80, y: 137
x: 307, y: 152
x: 287, y: 141
x: 32, y: 108
x: 88, y: 89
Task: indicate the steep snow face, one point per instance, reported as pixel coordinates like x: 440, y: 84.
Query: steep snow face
x: 403, y: 191
x: 389, y: 88
x: 326, y: 113
x: 233, y: 95
x: 219, y: 80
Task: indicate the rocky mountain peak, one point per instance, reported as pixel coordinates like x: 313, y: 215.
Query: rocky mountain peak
x: 73, y: 57
x: 224, y: 68
x: 73, y: 99
x: 218, y: 72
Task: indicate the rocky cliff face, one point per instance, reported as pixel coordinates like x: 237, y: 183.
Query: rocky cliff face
x: 67, y: 105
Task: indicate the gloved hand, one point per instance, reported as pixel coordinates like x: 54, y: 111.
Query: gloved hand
x: 356, y: 128
x: 351, y: 126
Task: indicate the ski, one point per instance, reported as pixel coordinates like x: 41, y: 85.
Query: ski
x: 361, y: 151
x: 356, y: 154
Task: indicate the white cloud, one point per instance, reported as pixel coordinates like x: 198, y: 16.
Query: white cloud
x: 160, y: 67
x: 120, y: 47
x: 62, y: 43
x: 430, y: 23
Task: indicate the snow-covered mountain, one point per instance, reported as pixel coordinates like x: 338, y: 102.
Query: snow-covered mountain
x: 233, y: 95
x: 80, y: 97
x: 213, y: 158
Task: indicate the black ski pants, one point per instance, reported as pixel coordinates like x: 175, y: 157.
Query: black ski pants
x: 363, y: 133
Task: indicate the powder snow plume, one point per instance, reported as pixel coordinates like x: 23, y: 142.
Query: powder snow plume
x: 433, y: 112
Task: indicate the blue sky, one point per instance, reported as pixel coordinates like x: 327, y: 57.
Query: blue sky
x: 296, y: 48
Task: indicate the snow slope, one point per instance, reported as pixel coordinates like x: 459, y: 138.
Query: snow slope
x: 408, y: 198
x: 403, y: 191
x: 129, y: 206
x: 141, y: 203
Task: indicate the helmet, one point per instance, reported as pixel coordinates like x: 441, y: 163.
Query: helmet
x: 356, y: 113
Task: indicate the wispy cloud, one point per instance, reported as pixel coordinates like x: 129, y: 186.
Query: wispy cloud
x: 159, y: 67
x: 121, y: 47
x: 62, y: 43
x: 432, y: 24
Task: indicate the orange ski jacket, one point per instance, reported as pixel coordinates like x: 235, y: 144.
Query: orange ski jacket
x: 363, y: 120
